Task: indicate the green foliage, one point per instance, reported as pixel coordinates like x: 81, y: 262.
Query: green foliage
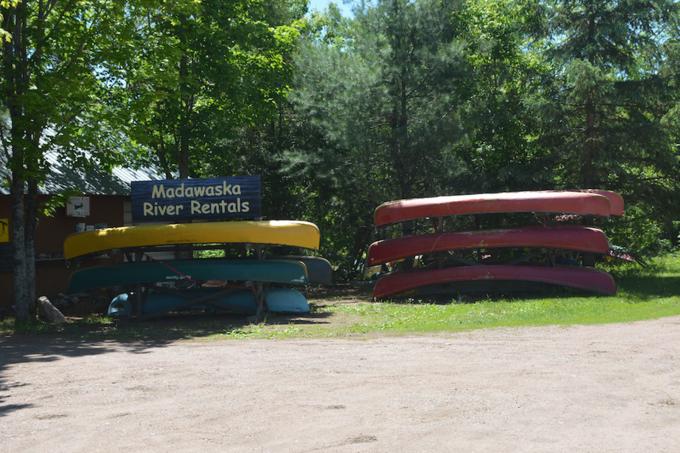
x: 6, y: 36
x: 639, y: 232
x: 205, y: 70
x: 52, y: 92
x: 500, y: 147
x: 376, y: 100
x: 606, y: 110
x: 423, y: 98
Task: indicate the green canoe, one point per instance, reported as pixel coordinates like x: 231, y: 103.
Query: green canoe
x: 146, y: 272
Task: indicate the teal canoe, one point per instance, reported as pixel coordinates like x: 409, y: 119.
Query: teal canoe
x: 279, y: 300
x: 146, y: 272
x: 286, y: 300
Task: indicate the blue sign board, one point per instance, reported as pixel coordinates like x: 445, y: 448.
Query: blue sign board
x: 235, y: 197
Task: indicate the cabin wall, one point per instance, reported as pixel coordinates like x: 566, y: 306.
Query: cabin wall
x: 52, y: 273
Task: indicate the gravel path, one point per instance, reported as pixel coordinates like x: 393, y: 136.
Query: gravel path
x: 586, y: 388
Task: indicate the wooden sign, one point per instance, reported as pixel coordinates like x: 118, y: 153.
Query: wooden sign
x: 235, y: 197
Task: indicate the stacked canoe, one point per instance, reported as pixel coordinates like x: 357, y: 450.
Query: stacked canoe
x: 152, y: 284
x: 557, y: 251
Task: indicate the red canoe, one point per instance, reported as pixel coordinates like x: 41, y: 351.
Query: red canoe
x: 581, y: 203
x: 615, y: 200
x: 573, y: 277
x: 578, y: 238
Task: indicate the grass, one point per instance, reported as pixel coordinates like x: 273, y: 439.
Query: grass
x: 644, y: 293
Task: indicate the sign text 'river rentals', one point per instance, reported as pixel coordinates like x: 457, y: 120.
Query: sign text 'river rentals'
x: 235, y: 197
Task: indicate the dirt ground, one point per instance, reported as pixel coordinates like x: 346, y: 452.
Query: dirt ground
x: 586, y: 388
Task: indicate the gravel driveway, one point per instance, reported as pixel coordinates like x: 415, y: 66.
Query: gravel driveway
x: 586, y: 388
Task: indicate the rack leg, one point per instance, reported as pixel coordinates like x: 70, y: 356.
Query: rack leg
x: 261, y: 303
x: 139, y: 301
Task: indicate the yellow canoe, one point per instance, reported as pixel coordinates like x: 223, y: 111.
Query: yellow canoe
x: 271, y: 232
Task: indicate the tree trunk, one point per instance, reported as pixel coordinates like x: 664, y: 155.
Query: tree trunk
x: 589, y: 138
x: 185, y: 106
x: 21, y: 302
x: 397, y: 94
x: 16, y: 84
x: 402, y: 131
x: 29, y: 235
x: 587, y: 177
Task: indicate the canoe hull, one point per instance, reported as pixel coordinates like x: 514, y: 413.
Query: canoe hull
x: 147, y: 272
x: 581, y: 203
x: 284, y: 300
x: 577, y: 238
x: 615, y: 200
x: 616, y: 203
x: 573, y: 277
x: 319, y: 270
x: 273, y: 232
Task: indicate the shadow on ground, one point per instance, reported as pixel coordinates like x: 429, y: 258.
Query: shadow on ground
x: 30, y: 348
x: 646, y: 287
x: 100, y: 336
x: 359, y: 292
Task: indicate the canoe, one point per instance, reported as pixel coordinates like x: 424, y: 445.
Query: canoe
x: 577, y: 238
x: 145, y: 272
x: 279, y: 300
x: 573, y: 277
x: 615, y: 200
x: 581, y: 203
x: 273, y: 232
x: 154, y: 304
x: 285, y: 300
x: 319, y: 270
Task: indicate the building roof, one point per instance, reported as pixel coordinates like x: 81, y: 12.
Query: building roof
x: 62, y: 177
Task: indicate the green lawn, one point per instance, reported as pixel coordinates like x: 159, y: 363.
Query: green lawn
x: 644, y: 293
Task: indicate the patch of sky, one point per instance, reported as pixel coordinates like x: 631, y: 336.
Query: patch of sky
x: 345, y: 6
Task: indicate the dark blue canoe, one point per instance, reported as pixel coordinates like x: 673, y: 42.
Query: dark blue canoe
x: 319, y: 270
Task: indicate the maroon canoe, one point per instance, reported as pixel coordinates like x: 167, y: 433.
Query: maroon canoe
x: 567, y: 202
x: 573, y: 277
x: 577, y: 238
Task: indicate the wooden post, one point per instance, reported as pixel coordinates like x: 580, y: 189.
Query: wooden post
x: 138, y: 302
x: 260, y: 299
x: 139, y: 296
x: 261, y: 302
x: 438, y: 227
